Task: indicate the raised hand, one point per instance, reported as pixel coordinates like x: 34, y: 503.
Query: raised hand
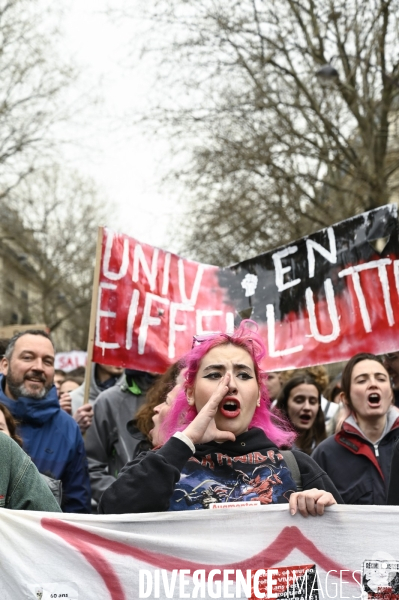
x: 84, y: 417
x: 203, y: 428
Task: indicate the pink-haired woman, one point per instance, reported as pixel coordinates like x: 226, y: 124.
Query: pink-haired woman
x: 221, y: 441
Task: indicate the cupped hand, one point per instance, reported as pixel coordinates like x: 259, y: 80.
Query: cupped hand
x: 84, y: 417
x: 203, y: 428
x: 310, y: 502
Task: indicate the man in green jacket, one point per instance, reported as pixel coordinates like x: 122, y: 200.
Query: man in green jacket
x: 21, y: 486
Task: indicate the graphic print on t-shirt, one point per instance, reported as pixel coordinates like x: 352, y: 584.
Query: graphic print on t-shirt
x: 217, y: 477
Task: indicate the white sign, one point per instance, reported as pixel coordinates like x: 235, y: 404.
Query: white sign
x: 202, y: 554
x: 49, y: 591
x: 68, y: 361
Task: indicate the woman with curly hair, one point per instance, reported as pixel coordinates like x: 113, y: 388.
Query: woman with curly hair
x: 121, y: 427
x: 155, y: 396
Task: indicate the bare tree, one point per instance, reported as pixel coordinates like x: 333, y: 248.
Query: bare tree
x: 53, y: 228
x: 49, y: 216
x: 34, y: 79
x: 274, y: 153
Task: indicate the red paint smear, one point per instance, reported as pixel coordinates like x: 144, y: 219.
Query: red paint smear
x: 289, y: 539
x: 73, y: 535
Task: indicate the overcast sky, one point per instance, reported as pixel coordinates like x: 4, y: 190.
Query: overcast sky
x: 122, y: 159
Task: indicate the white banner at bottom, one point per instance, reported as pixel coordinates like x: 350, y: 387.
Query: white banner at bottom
x: 264, y: 552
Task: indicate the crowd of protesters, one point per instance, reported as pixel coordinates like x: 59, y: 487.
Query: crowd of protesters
x: 145, y: 442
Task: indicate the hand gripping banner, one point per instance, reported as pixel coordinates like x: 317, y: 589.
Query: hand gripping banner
x: 318, y: 300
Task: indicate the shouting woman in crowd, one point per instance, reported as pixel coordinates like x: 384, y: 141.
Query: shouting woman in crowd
x: 358, y: 457
x: 300, y: 402
x: 121, y: 427
x: 221, y: 441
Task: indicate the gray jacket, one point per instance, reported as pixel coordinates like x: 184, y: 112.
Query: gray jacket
x: 109, y: 445
x: 77, y: 395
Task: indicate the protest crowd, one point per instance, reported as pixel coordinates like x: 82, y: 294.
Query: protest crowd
x: 145, y: 442
x: 197, y: 395
x: 245, y: 415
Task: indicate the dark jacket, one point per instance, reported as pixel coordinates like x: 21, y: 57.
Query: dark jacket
x: 21, y: 486
x: 171, y: 478
x: 358, y: 468
x: 53, y: 440
x: 393, y: 491
x: 109, y: 443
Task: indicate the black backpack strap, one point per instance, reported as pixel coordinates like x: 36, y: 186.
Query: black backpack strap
x: 293, y: 467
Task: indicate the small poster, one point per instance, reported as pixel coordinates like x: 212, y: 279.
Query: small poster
x: 49, y: 591
x: 380, y: 579
x: 299, y: 582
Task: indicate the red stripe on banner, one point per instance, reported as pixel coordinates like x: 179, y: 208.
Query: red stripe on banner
x: 291, y: 538
x: 73, y: 535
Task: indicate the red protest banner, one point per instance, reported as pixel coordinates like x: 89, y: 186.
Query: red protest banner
x: 318, y: 300
x: 151, y: 303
